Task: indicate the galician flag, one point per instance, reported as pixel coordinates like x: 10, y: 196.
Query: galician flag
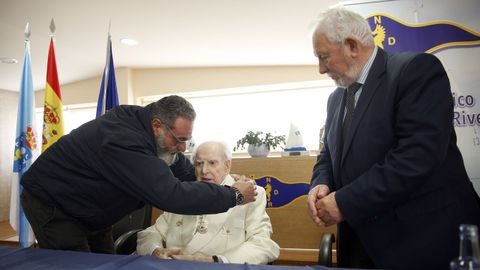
x: 108, y: 97
x: 52, y: 109
x: 25, y: 147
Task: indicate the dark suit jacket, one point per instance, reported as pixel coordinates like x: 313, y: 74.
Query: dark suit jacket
x: 400, y: 180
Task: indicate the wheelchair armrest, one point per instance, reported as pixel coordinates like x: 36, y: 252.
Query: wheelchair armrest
x: 126, y: 243
x: 325, y: 250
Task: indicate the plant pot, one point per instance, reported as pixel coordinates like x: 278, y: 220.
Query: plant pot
x: 258, y: 151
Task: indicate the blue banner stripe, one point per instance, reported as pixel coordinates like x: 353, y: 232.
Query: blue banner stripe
x: 279, y: 193
x: 395, y: 35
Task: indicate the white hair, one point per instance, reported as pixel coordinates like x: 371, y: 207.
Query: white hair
x: 227, y: 153
x: 338, y: 23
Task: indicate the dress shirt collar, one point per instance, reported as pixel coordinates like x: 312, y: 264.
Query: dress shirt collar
x: 228, y: 180
x: 366, y: 68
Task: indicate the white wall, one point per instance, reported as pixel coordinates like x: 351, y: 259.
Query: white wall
x: 134, y: 83
x: 8, y: 123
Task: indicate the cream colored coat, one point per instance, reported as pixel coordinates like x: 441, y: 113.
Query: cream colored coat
x: 242, y: 234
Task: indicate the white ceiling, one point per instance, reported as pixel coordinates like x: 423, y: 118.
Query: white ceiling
x: 175, y: 33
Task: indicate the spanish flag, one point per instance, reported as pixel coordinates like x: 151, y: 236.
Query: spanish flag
x: 52, y: 111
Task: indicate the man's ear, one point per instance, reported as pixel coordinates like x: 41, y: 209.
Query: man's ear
x: 156, y: 126
x: 228, y: 165
x: 353, y: 46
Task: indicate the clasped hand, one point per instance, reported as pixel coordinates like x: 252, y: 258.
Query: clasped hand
x: 166, y: 253
x: 322, y: 206
x: 175, y: 253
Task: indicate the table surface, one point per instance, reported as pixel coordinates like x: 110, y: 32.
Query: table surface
x: 34, y: 258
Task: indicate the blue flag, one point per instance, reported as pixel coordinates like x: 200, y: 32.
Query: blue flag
x: 25, y: 149
x: 108, y: 97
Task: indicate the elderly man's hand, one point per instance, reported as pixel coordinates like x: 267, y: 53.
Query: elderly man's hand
x: 165, y: 253
x: 197, y: 258
x: 314, y: 195
x: 247, y: 189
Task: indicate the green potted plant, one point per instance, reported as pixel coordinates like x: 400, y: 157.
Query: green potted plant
x: 259, y: 143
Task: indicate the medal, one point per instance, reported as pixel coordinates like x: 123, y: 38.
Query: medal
x: 202, y: 225
x: 202, y: 229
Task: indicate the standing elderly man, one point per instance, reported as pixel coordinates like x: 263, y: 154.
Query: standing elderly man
x: 241, y: 235
x: 110, y: 166
x: 390, y: 173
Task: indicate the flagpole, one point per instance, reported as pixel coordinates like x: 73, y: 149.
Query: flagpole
x: 23, y: 225
x: 52, y: 28
x: 26, y: 34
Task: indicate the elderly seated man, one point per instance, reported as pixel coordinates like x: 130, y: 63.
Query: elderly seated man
x: 240, y: 235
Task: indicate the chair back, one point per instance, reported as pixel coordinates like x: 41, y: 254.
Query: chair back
x: 138, y: 219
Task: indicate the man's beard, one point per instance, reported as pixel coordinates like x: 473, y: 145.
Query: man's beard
x: 350, y: 77
x: 162, y: 151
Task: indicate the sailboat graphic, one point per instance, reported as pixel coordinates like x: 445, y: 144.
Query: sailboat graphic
x: 294, y: 145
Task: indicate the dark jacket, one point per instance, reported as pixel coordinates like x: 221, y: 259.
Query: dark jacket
x: 400, y: 180
x: 109, y: 167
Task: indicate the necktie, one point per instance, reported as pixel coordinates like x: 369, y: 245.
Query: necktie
x: 349, y: 106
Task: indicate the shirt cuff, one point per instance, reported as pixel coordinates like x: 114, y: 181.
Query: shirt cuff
x: 153, y: 249
x: 223, y: 258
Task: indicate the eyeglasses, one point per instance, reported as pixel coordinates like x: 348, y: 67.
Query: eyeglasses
x: 179, y: 140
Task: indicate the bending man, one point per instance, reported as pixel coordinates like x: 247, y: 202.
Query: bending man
x: 105, y: 169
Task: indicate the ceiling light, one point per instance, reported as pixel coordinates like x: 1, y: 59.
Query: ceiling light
x: 8, y: 60
x: 128, y: 41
